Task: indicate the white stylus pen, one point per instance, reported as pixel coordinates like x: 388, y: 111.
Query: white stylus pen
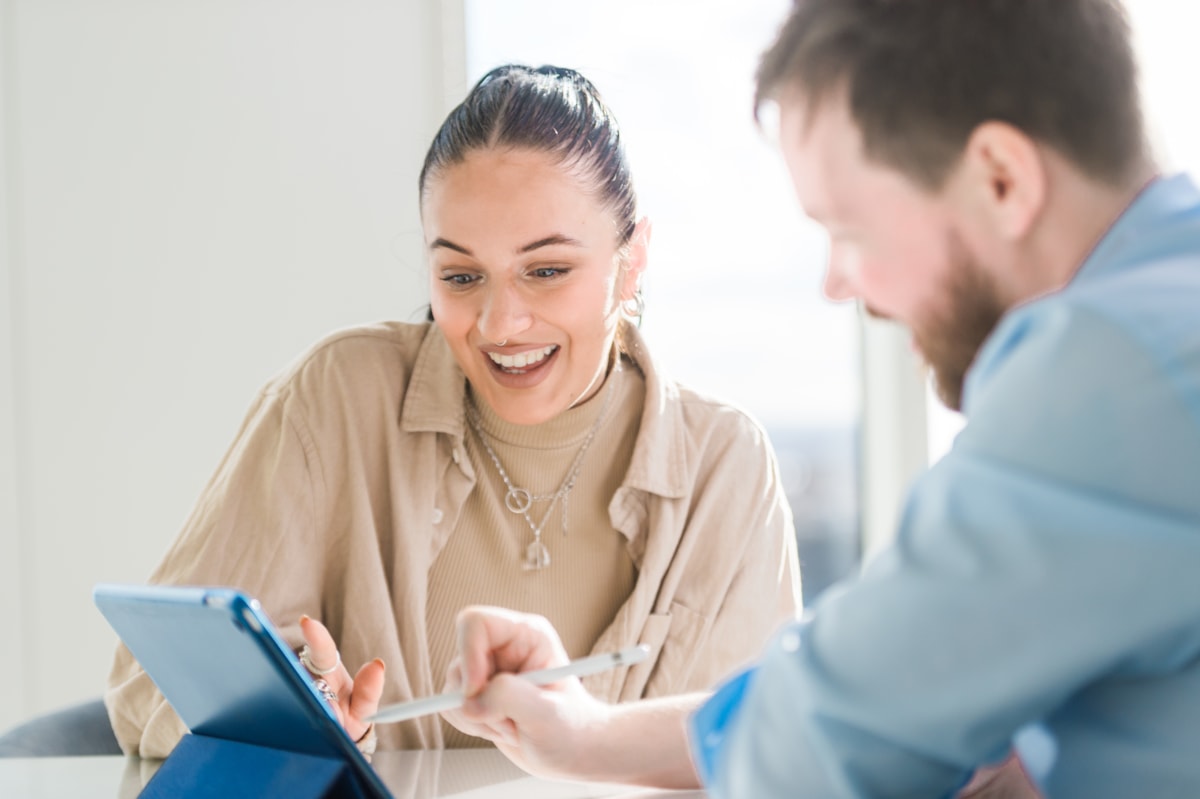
x: 452, y: 699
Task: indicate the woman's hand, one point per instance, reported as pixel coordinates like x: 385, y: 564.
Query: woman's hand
x: 354, y: 698
x: 540, y: 728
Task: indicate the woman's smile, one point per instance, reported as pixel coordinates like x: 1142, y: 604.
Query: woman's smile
x: 521, y: 370
x: 522, y: 362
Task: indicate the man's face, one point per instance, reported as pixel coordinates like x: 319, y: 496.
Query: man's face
x: 893, y: 245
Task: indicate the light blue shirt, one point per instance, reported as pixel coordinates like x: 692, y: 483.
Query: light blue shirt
x: 1044, y: 585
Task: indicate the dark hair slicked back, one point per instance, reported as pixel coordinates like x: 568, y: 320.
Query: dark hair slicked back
x: 549, y: 109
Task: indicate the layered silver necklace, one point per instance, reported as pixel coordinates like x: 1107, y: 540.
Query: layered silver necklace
x: 520, y: 500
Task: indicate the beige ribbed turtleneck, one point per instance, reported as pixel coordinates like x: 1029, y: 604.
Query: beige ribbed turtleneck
x: 591, y: 572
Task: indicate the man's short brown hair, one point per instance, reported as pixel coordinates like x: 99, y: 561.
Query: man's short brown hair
x: 921, y: 75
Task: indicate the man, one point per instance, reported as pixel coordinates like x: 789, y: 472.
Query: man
x: 982, y: 170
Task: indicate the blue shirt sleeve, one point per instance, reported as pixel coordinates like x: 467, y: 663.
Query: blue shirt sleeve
x: 1053, y: 548
x: 708, y: 724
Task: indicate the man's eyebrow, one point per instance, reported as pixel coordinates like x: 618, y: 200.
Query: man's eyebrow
x: 449, y: 245
x: 549, y: 241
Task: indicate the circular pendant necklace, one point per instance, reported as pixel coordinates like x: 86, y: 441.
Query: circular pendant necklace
x: 520, y: 500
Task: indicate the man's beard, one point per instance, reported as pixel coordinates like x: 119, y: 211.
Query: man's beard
x: 950, y: 340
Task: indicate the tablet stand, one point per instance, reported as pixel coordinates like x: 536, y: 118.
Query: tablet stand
x: 202, y: 767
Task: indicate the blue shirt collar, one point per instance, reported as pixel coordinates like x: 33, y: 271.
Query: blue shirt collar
x: 1163, y: 198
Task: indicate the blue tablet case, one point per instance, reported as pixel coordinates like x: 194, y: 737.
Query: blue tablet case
x: 258, y: 726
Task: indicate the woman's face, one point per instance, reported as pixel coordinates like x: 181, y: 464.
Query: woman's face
x: 525, y: 279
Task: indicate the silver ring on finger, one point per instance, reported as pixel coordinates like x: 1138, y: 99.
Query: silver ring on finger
x: 306, y: 658
x: 325, y: 690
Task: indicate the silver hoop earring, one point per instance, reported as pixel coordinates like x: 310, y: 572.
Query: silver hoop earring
x: 634, y: 307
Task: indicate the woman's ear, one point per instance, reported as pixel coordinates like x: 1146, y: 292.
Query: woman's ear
x: 1005, y: 176
x: 636, y: 259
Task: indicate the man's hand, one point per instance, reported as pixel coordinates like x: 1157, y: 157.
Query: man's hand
x: 538, y: 728
x: 560, y: 730
x: 1007, y: 780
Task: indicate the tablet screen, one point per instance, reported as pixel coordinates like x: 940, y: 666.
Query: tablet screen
x: 218, y: 660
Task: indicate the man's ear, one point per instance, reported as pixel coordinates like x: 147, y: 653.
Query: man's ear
x: 1005, y: 174
x: 636, y: 259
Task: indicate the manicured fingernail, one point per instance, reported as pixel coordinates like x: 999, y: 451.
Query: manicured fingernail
x: 304, y: 617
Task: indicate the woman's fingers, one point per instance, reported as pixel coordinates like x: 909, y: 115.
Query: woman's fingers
x: 323, y: 656
x: 368, y: 688
x: 352, y: 698
x: 320, y: 656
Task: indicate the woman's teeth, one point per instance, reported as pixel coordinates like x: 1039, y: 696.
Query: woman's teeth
x: 521, y: 359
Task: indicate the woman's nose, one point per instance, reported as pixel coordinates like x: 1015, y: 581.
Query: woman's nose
x: 504, y: 316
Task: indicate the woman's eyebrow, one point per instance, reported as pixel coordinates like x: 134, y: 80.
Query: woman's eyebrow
x: 449, y: 245
x: 557, y: 238
x: 548, y: 241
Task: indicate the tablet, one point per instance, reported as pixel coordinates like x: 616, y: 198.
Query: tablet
x: 220, y: 663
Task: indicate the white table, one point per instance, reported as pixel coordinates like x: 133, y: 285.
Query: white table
x: 460, y: 773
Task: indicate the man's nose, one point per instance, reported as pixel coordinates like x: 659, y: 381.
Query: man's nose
x: 838, y: 285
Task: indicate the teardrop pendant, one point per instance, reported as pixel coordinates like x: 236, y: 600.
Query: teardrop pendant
x: 536, y: 556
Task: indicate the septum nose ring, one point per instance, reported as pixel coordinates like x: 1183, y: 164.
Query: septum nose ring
x: 501, y: 343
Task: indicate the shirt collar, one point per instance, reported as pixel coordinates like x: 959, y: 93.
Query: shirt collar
x: 1163, y: 199
x: 434, y: 399
x: 436, y: 396
x: 660, y: 462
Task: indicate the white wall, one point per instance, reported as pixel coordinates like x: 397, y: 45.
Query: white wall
x: 10, y: 543
x: 192, y: 193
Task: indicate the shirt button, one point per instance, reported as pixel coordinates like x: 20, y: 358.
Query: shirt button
x: 437, y: 515
x: 790, y: 642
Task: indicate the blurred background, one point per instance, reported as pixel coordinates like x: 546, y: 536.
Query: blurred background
x: 192, y: 193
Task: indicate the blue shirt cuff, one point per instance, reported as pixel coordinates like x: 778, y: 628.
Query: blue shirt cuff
x: 710, y: 723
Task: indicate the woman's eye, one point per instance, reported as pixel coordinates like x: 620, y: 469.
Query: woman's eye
x: 459, y: 279
x: 545, y: 272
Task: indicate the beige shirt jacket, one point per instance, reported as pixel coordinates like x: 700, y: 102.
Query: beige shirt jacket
x: 349, y: 473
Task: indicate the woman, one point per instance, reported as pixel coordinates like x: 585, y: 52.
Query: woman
x: 520, y: 449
